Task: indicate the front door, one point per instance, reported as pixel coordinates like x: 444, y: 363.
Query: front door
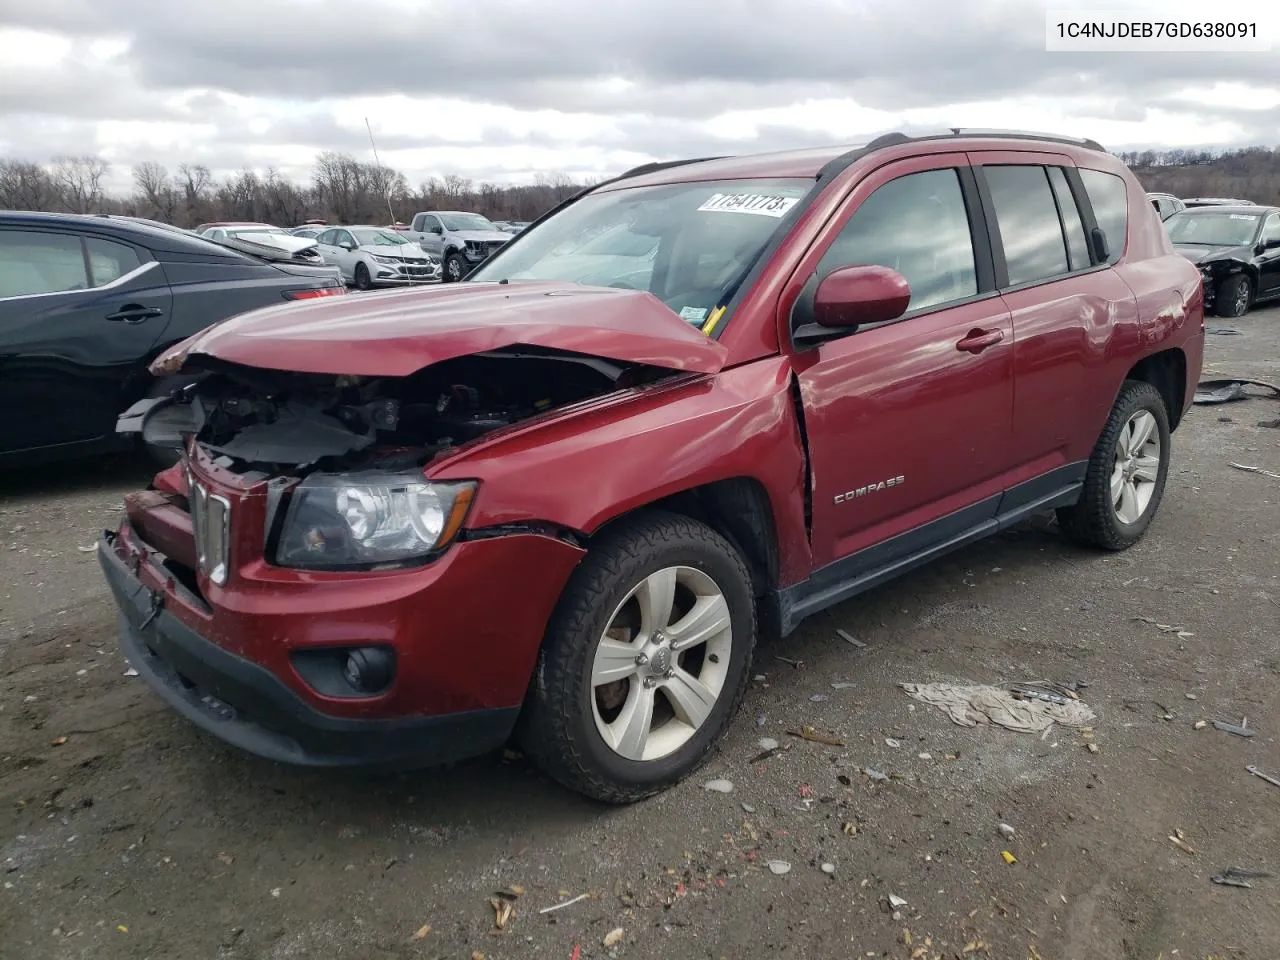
x: 1269, y: 260
x: 78, y: 314
x: 909, y: 421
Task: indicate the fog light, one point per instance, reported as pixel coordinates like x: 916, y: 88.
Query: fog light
x: 368, y: 669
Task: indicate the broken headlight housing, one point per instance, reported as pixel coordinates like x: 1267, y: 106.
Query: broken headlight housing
x: 363, y: 520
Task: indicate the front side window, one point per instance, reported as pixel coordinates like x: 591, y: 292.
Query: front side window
x: 32, y: 262
x: 1109, y: 197
x: 1204, y: 226
x: 689, y: 244
x: 466, y: 221
x: 1027, y: 221
x: 918, y: 226
x: 1271, y: 230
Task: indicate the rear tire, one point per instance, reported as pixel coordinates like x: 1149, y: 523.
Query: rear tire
x: 1233, y: 297
x: 1125, y: 480
x: 579, y: 716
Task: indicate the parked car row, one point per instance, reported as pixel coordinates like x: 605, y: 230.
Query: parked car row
x: 88, y: 301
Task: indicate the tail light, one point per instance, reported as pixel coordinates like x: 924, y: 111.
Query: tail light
x: 311, y: 293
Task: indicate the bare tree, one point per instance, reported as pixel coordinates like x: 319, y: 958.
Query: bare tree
x: 26, y: 186
x: 80, y: 180
x: 157, y: 192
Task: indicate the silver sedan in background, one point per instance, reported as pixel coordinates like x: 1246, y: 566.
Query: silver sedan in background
x: 377, y: 257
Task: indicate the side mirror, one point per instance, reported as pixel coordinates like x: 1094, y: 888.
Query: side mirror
x: 845, y: 299
x: 347, y: 245
x: 437, y: 229
x: 1270, y: 244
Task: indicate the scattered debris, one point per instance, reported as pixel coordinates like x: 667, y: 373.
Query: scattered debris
x: 1006, y: 831
x: 1092, y: 747
x: 614, y: 937
x: 768, y: 743
x: 849, y: 638
x: 748, y: 808
x: 813, y: 736
x: 896, y: 901
x: 1200, y: 724
x: 829, y: 868
x: 1235, y: 877
x: 768, y: 752
x: 779, y: 867
x: 818, y: 697
x: 1263, y: 776
x: 1243, y: 730
x: 503, y: 912
x: 804, y: 791
x: 1179, y: 840
x: 924, y: 756
x: 1248, y: 469
x: 59, y: 741
x: 794, y: 663
x: 1182, y: 633
x: 718, y: 786
x: 841, y: 685
x: 969, y: 706
x: 567, y: 903
x: 421, y: 932
x: 1229, y: 390
x: 131, y: 672
x: 1270, y: 424
x: 1191, y: 696
x: 1008, y: 857
x: 890, y: 742
x: 849, y: 828
x: 1223, y: 331
x: 513, y: 892
x: 89, y: 549
x: 875, y: 775
x: 225, y: 859
x: 275, y: 892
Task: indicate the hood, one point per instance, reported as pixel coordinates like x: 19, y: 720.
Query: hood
x: 1199, y: 253
x: 486, y: 236
x: 408, y: 250
x: 395, y: 334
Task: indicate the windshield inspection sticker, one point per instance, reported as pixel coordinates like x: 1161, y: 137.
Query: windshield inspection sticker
x: 1242, y: 216
x: 693, y: 314
x: 757, y: 203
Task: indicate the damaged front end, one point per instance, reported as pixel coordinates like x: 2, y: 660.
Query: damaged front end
x: 341, y: 460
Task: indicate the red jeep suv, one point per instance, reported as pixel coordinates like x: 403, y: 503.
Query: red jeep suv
x: 693, y: 404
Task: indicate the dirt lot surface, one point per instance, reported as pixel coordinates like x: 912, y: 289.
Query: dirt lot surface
x: 126, y: 833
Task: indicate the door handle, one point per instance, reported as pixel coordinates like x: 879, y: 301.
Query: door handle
x: 134, y: 313
x: 975, y: 341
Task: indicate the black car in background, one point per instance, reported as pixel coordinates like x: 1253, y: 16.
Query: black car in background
x: 86, y: 302
x: 1236, y: 247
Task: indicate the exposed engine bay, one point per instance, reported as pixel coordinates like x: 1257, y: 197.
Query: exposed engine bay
x: 277, y: 421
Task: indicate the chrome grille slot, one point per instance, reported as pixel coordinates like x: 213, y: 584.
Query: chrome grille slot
x: 211, y: 525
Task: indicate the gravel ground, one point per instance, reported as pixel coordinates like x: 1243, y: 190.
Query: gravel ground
x: 124, y: 832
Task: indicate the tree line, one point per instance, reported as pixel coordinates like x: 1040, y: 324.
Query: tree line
x: 344, y: 189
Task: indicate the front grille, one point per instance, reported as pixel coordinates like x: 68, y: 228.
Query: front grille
x: 495, y: 245
x: 211, y: 524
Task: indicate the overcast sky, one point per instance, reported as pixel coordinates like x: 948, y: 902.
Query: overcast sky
x: 503, y: 89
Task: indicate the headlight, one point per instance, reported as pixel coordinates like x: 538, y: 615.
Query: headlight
x: 433, y: 261
x: 337, y: 521
x: 383, y: 259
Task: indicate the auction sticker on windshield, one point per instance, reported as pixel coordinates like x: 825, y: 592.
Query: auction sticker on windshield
x: 757, y: 203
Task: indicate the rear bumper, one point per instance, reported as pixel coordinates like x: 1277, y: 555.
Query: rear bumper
x: 247, y: 706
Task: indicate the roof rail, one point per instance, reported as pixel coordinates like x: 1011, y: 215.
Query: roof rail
x: 1026, y: 135
x: 655, y: 166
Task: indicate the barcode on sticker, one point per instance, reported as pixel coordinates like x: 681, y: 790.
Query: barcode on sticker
x: 757, y: 203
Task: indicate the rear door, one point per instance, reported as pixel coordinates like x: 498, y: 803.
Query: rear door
x: 78, y: 314
x: 1072, y: 314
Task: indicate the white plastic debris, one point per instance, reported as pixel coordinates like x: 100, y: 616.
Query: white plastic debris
x: 841, y: 685
x: 718, y: 786
x: 890, y: 742
x: 779, y: 867
x: 969, y: 706
x: 828, y: 868
x: 768, y: 743
x: 1006, y: 831
x: 131, y: 672
x: 748, y: 808
x: 896, y: 901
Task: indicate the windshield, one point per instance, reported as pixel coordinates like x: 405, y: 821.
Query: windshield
x: 241, y: 231
x: 1212, y: 228
x: 688, y: 244
x: 375, y: 237
x: 466, y: 221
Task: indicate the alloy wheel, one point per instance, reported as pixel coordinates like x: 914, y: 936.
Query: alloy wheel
x: 661, y: 665
x: 1136, y: 468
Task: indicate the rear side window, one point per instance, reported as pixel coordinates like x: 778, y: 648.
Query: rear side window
x: 1027, y: 218
x: 917, y: 225
x: 32, y: 262
x: 1109, y: 196
x: 109, y: 261
x: 1072, y: 225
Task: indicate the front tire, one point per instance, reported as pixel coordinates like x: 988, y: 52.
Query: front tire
x: 1125, y: 480
x: 645, y: 660
x: 363, y: 280
x: 1234, y: 296
x: 454, y: 268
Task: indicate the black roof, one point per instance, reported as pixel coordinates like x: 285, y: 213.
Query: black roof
x: 145, y: 233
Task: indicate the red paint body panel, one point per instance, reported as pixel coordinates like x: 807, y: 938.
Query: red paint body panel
x: 396, y: 333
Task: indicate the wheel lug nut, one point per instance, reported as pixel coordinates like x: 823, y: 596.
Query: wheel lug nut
x: 670, y: 673
x: 641, y: 659
x: 649, y: 681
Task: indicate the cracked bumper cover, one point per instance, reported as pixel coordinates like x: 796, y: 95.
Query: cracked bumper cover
x: 248, y: 705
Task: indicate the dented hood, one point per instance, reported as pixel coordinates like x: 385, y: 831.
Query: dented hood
x: 396, y: 334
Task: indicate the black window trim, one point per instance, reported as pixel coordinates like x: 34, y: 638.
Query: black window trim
x: 979, y: 238
x: 997, y: 244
